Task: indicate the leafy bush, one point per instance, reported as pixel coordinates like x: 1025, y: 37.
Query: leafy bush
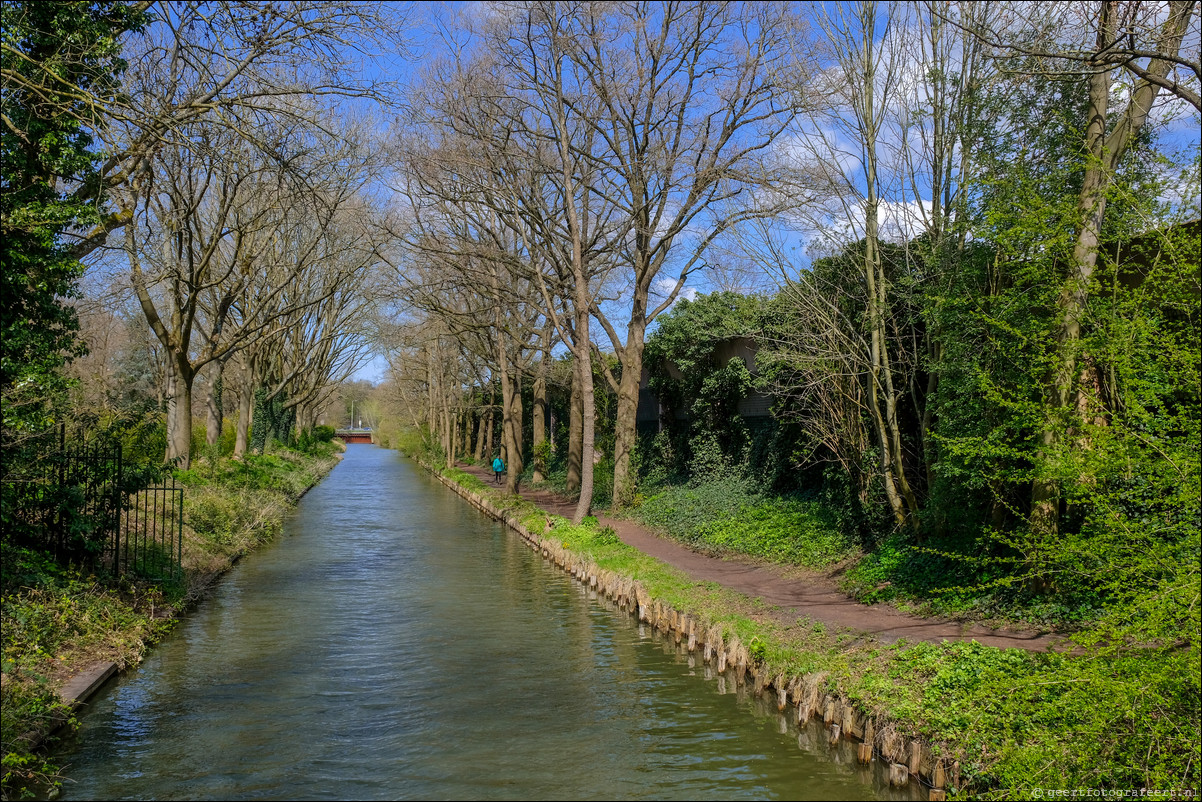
x: 788, y: 531
x: 732, y: 515
x: 281, y: 469
x: 465, y: 479
x: 50, y: 613
x: 234, y: 517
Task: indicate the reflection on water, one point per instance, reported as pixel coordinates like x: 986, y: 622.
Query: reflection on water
x: 396, y: 644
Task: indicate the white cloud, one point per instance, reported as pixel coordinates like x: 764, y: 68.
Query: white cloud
x: 664, y: 286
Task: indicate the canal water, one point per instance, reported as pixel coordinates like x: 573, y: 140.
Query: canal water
x: 396, y: 644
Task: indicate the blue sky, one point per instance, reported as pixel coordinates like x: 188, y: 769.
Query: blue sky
x: 436, y: 28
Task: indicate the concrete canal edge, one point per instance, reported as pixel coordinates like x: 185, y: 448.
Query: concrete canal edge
x: 908, y: 758
x: 80, y: 688
x: 82, y: 685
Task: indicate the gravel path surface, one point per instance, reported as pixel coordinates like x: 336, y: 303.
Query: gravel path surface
x: 795, y: 592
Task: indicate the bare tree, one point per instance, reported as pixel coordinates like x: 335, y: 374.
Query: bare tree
x: 232, y: 66
x: 689, y: 103
x: 1144, y: 39
x: 848, y: 99
x: 524, y: 109
x: 224, y: 240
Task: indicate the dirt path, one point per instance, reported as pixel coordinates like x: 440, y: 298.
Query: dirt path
x: 795, y: 592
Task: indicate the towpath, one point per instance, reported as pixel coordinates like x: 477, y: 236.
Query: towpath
x: 795, y: 592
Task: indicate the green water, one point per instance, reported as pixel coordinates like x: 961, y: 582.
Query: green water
x: 395, y: 644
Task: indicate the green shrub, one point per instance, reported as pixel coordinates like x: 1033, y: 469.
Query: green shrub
x: 238, y: 517
x: 787, y: 531
x: 731, y: 515
x: 229, y: 434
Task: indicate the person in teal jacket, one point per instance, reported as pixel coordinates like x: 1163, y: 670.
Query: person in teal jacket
x: 498, y: 467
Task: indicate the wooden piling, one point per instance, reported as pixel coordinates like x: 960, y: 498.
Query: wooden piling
x: 849, y: 719
x: 869, y: 744
x: 915, y: 758
x: 939, y: 776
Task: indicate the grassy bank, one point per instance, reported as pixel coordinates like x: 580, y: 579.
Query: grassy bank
x: 1117, y: 716
x: 58, y: 620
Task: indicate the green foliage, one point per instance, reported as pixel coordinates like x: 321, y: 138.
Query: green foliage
x: 48, y: 612
x: 229, y: 438
x: 1023, y: 720
x: 757, y: 649
x: 465, y: 479
x: 542, y: 453
x: 57, y: 54
x: 557, y: 479
x: 27, y: 705
x: 273, y: 421
x: 312, y: 440
x: 234, y: 516
x: 199, y: 442
x: 1123, y: 452
x: 701, y: 395
x: 281, y: 470
x: 731, y: 515
x: 788, y: 531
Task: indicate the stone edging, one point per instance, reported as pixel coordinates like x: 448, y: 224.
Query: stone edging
x: 908, y: 758
x: 76, y: 691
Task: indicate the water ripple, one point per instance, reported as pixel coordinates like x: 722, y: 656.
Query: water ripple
x: 397, y: 645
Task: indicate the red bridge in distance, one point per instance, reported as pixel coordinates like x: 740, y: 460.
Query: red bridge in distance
x: 349, y: 436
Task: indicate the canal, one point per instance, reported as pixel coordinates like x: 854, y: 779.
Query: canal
x: 396, y: 644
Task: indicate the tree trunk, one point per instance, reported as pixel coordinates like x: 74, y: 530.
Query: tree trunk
x: 877, y: 306
x: 506, y: 396
x: 512, y: 429
x: 575, y: 426
x: 626, y: 424
x: 242, y: 437
x: 489, y: 427
x: 880, y: 382
x: 478, y: 451
x: 214, y: 405
x: 588, y: 408
x: 178, y: 391
x: 539, y: 410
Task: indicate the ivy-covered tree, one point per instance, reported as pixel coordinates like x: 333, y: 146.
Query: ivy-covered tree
x: 61, y: 66
x: 688, y: 381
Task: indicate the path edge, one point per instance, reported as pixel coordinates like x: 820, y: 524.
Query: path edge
x: 907, y: 757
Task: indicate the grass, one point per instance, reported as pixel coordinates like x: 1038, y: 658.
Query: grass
x: 1018, y: 722
x: 58, y: 618
x: 731, y: 516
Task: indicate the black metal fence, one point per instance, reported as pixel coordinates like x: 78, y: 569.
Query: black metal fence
x: 149, y: 541
x: 79, y: 501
